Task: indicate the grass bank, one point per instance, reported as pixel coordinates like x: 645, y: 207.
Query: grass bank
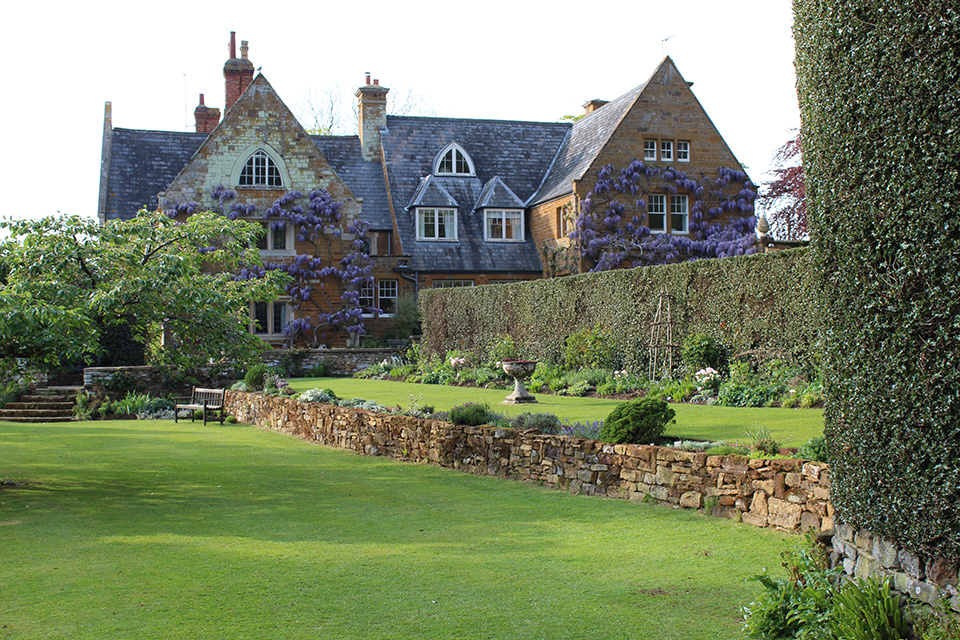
x: 154, y: 530
x: 793, y: 427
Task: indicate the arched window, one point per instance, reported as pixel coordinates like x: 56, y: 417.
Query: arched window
x: 260, y: 171
x: 454, y: 161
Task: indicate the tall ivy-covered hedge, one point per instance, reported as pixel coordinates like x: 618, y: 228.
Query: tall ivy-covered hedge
x: 763, y: 302
x: 879, y: 86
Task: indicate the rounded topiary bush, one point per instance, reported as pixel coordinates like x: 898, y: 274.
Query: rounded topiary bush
x: 637, y: 421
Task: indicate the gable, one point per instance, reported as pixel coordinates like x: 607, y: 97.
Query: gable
x: 258, y: 121
x: 665, y: 109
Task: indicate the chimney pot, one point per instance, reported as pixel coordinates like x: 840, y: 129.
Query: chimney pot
x: 376, y: 83
x: 244, y: 48
x: 368, y: 79
x: 201, y: 99
x: 233, y: 45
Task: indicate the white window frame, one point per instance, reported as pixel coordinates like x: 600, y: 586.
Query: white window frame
x: 387, y: 290
x: 270, y: 236
x: 660, y: 209
x: 266, y: 172
x: 423, y: 225
x: 491, y: 216
x: 367, y: 299
x: 683, y: 151
x: 452, y: 150
x: 666, y: 150
x: 679, y: 211
x: 649, y: 150
x: 451, y: 284
x: 270, y: 331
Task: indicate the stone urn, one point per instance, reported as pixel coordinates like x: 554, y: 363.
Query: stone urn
x: 518, y: 370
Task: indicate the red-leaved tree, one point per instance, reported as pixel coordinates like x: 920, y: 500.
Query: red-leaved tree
x: 784, y: 198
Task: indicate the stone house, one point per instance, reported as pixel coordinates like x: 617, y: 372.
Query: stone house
x: 449, y: 201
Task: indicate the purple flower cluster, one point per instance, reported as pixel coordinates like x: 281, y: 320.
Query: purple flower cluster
x: 610, y: 239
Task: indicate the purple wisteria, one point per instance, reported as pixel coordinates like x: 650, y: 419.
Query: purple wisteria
x: 609, y: 239
x: 325, y: 291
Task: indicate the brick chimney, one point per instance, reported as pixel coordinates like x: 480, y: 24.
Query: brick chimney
x: 206, y: 117
x: 373, y: 115
x: 593, y: 105
x: 237, y: 72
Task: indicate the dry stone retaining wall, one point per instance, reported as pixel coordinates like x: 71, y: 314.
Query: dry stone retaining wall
x: 790, y: 495
x: 786, y: 494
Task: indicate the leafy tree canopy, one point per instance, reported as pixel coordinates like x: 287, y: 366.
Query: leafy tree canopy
x: 69, y: 277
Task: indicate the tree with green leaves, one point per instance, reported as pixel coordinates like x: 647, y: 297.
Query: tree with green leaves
x: 69, y: 278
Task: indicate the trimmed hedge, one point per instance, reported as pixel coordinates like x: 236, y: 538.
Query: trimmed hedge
x: 879, y: 85
x: 766, y: 302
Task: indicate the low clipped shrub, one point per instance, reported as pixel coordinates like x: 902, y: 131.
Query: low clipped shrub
x: 471, y: 414
x: 543, y: 422
x: 637, y: 421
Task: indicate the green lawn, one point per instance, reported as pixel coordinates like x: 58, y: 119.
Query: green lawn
x: 129, y: 529
x: 793, y: 427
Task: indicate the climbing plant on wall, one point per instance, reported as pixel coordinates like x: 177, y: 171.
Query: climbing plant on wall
x: 610, y: 237
x: 328, y: 279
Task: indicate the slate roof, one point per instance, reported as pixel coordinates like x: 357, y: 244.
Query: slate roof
x: 365, y: 179
x: 581, y: 147
x: 496, y: 194
x: 142, y: 164
x: 519, y: 153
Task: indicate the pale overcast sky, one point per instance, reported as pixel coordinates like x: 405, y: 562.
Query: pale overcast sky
x: 497, y: 59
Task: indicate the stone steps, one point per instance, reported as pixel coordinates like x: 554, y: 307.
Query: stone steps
x: 50, y: 404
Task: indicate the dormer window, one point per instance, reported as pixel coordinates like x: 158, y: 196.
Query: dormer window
x: 436, y: 224
x: 453, y: 161
x: 503, y: 225
x: 260, y: 171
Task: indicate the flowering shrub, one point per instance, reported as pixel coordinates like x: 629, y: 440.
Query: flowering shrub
x: 589, y: 430
x: 708, y: 378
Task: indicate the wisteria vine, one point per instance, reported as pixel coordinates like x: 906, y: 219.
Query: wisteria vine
x: 317, y: 218
x: 608, y: 239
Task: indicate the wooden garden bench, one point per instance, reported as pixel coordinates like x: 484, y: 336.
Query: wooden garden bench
x: 206, y: 400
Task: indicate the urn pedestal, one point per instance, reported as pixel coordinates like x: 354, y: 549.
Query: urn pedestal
x: 518, y: 370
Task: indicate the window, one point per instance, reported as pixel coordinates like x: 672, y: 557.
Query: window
x: 387, y: 294
x: 563, y: 223
x: 276, y: 240
x: 503, y: 225
x: 382, y: 295
x: 450, y: 284
x: 666, y: 150
x: 650, y: 150
x: 260, y: 171
x: 366, y: 300
x: 657, y: 214
x: 683, y: 151
x: 454, y: 161
x: 269, y: 318
x: 436, y: 224
x: 678, y: 214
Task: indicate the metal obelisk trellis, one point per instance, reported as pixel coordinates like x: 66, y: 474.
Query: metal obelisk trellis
x: 661, y: 339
